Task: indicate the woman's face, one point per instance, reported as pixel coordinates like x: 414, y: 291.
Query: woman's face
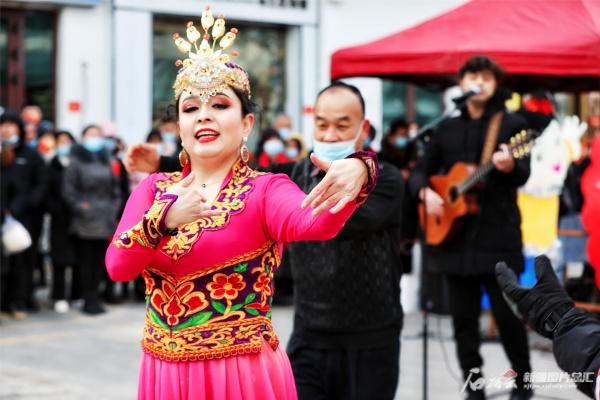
x: 214, y: 130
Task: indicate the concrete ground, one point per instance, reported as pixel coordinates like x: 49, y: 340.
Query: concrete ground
x: 73, y: 356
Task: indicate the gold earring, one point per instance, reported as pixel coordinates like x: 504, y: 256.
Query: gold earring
x: 244, y: 152
x: 183, y: 158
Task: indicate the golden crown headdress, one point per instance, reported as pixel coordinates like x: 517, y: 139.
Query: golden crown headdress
x: 207, y: 69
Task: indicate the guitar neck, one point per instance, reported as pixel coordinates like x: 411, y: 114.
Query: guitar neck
x: 475, y: 177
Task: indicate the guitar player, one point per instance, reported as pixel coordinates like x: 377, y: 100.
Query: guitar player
x: 490, y: 235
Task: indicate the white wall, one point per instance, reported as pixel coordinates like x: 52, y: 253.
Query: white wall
x: 346, y: 23
x: 133, y: 74
x: 83, y: 66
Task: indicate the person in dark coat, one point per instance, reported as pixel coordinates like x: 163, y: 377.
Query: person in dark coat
x: 550, y: 312
x: 62, y: 241
x: 398, y: 150
x: 491, y: 235
x: 23, y: 179
x: 348, y: 317
x: 92, y: 192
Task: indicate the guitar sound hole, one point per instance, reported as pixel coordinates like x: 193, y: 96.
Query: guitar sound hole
x: 453, y: 194
x: 438, y: 220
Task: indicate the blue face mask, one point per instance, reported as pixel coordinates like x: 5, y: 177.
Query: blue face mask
x: 273, y: 147
x: 401, y: 142
x: 14, y: 139
x: 331, y: 151
x: 291, y: 152
x: 93, y: 144
x: 63, y: 150
x: 33, y: 143
x: 109, y: 144
x: 285, y: 133
x: 169, y: 137
x: 366, y: 143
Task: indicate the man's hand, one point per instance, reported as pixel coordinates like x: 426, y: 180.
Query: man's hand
x: 189, y: 206
x: 433, y: 201
x: 503, y: 160
x: 341, y: 184
x: 142, y: 157
x: 544, y: 304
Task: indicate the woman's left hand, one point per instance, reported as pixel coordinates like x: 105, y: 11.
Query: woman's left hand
x: 342, y: 183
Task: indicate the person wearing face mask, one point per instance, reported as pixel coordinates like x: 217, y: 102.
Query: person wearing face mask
x: 112, y: 143
x: 283, y: 125
x: 348, y: 316
x: 396, y: 148
x: 493, y: 233
x: 295, y: 149
x: 271, y: 149
x: 398, y: 151
x: 46, y: 147
x: 170, y: 138
x: 23, y: 181
x: 93, y: 195
x: 62, y: 241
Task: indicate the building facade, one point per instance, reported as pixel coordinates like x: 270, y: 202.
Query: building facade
x: 91, y: 61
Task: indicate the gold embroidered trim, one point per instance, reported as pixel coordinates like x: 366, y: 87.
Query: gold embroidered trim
x: 230, y: 261
x: 147, y: 232
x: 230, y: 200
x: 213, y: 341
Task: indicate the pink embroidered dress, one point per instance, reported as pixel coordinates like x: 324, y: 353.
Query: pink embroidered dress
x: 209, y: 286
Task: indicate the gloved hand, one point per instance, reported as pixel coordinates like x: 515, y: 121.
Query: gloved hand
x: 544, y: 304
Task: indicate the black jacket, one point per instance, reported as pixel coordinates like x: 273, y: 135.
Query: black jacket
x: 62, y: 248
x: 347, y: 290
x: 24, y: 186
x: 577, y: 346
x: 494, y: 233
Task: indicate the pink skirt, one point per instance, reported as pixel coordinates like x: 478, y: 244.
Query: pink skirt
x: 263, y: 376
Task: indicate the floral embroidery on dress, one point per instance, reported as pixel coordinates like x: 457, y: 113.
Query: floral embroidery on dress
x: 176, y: 302
x: 226, y: 286
x: 214, y: 313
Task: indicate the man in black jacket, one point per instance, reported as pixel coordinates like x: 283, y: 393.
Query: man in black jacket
x: 548, y: 309
x: 491, y: 235
x: 345, y: 342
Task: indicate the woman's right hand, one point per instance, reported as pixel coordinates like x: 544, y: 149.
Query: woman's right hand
x: 189, y: 206
x: 142, y: 157
x: 433, y: 202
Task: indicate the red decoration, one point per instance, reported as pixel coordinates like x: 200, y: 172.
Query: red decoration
x: 74, y: 106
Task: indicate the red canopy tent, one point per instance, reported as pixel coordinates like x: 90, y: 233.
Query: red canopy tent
x: 553, y: 44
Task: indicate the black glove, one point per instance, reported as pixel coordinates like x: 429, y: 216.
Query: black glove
x: 544, y: 304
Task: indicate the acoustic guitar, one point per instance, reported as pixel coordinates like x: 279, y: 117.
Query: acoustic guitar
x: 455, y: 188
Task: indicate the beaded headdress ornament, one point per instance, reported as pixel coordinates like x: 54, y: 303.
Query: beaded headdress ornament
x: 207, y: 69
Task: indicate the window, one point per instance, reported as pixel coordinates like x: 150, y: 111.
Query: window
x: 410, y: 102
x: 27, y: 59
x: 262, y: 53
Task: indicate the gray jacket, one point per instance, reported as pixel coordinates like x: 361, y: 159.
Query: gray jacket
x: 92, y: 192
